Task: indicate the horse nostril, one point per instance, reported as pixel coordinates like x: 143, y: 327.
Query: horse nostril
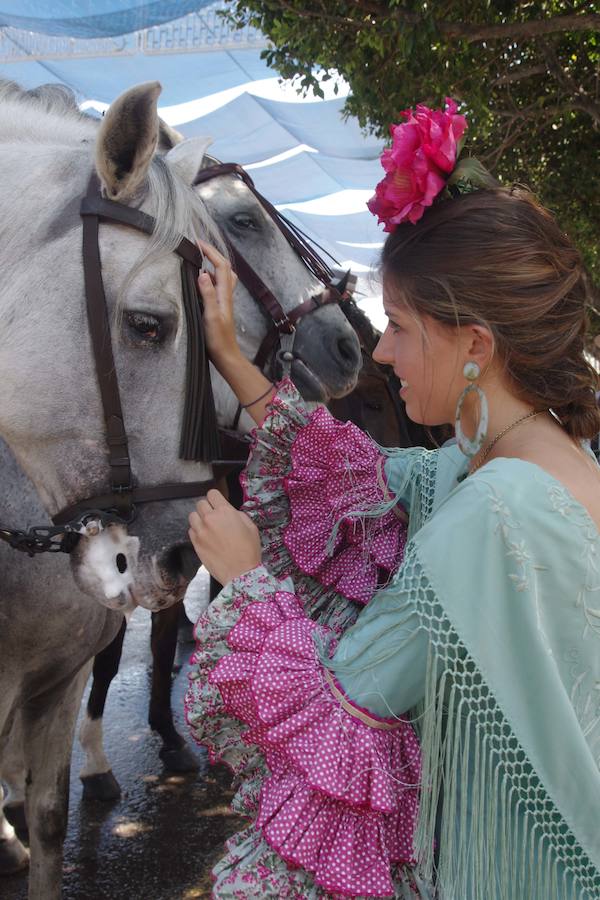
x: 181, y: 559
x: 121, y: 562
x: 347, y: 350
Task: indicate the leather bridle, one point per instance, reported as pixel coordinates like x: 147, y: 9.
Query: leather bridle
x: 200, y: 437
x: 283, y: 324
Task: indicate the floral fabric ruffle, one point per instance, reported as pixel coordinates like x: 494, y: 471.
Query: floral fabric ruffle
x: 341, y: 800
x: 209, y: 722
x: 250, y: 870
x: 336, y: 475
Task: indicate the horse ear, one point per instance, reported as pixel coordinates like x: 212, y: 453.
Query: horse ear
x: 186, y: 158
x: 127, y: 140
x: 167, y: 137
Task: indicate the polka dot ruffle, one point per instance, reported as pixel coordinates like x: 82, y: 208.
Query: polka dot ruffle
x: 333, y: 478
x: 342, y: 797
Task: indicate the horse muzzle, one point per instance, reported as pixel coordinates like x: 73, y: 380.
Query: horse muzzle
x: 105, y: 564
x: 108, y: 566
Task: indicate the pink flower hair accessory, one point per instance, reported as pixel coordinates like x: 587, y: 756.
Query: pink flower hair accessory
x: 420, y: 163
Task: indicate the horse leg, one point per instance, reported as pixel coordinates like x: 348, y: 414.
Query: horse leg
x: 13, y: 776
x: 13, y: 855
x: 48, y: 730
x: 175, y: 753
x: 98, y: 781
x: 185, y: 628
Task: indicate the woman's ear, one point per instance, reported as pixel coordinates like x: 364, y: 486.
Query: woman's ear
x: 480, y: 345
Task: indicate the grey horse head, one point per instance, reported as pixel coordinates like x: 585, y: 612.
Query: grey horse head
x: 326, y: 350
x: 51, y: 416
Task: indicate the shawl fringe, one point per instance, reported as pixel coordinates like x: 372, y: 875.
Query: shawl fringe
x: 469, y: 751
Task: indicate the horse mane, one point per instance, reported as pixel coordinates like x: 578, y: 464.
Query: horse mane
x: 177, y: 210
x: 47, y: 98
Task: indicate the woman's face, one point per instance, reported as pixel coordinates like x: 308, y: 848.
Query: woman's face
x: 428, y: 357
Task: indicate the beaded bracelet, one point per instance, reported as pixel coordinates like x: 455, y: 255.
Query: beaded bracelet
x: 262, y: 397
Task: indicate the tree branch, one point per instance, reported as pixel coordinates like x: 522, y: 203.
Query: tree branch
x: 587, y: 106
x: 474, y: 33
x: 578, y: 97
x: 533, y: 28
x: 519, y: 73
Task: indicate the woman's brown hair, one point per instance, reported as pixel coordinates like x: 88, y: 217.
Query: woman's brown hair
x: 498, y: 257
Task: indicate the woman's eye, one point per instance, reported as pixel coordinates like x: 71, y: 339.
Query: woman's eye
x: 145, y: 326
x: 245, y: 222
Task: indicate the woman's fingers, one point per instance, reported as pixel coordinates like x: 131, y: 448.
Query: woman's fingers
x: 220, y: 263
x: 225, y: 539
x: 217, y: 290
x: 213, y: 500
x: 216, y: 499
x: 207, y: 289
x: 195, y: 521
x: 216, y: 258
x: 203, y: 507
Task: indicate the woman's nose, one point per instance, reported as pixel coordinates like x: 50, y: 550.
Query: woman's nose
x: 383, y: 352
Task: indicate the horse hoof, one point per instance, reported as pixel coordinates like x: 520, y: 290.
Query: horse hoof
x: 13, y: 856
x: 179, y: 760
x: 103, y: 786
x: 15, y: 814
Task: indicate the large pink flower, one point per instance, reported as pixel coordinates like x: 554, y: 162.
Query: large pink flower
x: 422, y: 155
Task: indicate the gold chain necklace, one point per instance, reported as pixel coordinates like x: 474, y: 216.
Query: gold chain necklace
x: 492, y: 444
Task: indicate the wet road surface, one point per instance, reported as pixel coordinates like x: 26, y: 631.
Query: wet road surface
x: 161, y: 839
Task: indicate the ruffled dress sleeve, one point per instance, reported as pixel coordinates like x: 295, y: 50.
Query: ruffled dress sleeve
x: 341, y: 797
x: 318, y: 490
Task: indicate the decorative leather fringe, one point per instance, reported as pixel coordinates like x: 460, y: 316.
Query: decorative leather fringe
x: 199, y: 434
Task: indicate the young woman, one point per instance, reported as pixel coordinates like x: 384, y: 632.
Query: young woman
x: 482, y: 637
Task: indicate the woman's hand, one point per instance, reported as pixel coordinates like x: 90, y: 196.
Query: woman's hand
x: 217, y: 294
x: 226, y: 540
x: 246, y: 381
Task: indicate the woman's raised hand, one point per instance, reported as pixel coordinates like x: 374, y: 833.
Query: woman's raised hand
x: 217, y: 294
x: 247, y: 382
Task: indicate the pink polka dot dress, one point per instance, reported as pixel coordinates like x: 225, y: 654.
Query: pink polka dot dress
x: 330, y: 789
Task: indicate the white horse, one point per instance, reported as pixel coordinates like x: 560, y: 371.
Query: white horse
x: 55, y: 617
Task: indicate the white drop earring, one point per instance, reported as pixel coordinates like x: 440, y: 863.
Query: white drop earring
x: 471, y: 446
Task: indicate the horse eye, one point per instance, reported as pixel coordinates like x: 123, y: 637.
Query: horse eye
x: 148, y: 327
x: 244, y: 221
x: 374, y: 405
